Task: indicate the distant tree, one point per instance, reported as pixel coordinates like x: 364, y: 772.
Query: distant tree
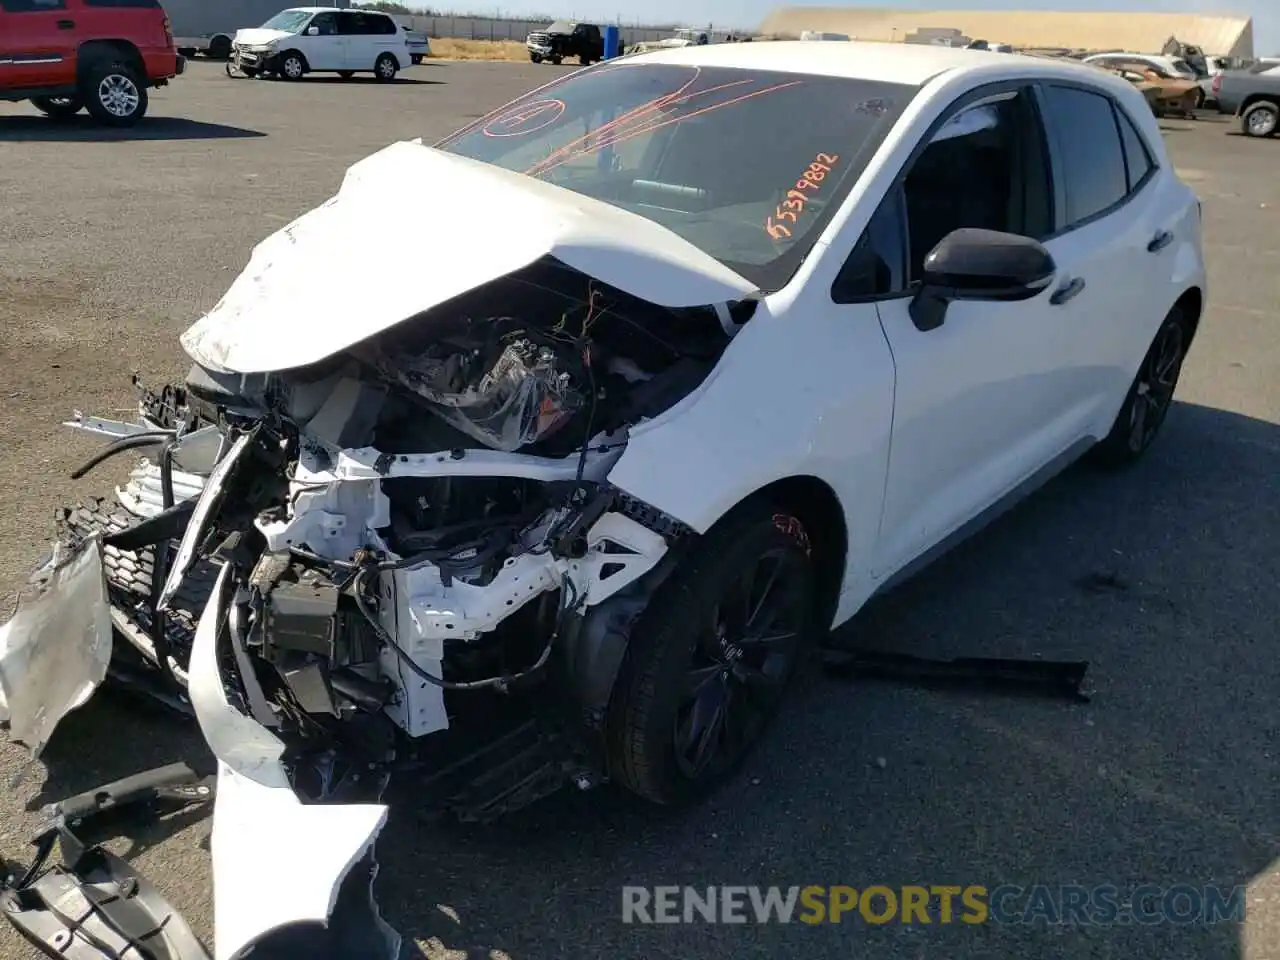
x: 385, y: 7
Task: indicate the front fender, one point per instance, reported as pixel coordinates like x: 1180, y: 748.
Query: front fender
x: 802, y: 393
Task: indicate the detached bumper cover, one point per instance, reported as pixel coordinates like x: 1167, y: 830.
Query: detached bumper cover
x: 290, y: 879
x: 278, y: 865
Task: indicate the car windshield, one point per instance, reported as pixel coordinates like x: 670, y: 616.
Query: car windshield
x: 289, y: 20
x: 746, y: 165
x: 1184, y: 68
x: 560, y: 26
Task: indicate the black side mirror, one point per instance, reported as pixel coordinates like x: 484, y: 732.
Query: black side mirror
x: 973, y: 264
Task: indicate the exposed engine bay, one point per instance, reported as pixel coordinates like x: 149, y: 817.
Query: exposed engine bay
x: 332, y: 565
x: 420, y: 514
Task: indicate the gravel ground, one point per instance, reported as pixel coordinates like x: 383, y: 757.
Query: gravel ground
x: 1164, y: 578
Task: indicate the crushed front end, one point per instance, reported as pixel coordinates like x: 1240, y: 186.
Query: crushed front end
x: 405, y: 559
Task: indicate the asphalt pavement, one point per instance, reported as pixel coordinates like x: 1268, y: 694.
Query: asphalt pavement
x: 1164, y: 577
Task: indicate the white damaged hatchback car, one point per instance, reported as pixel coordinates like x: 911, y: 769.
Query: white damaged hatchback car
x: 696, y: 351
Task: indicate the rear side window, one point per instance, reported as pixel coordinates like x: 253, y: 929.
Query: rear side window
x: 31, y: 6
x: 150, y: 4
x: 1090, y: 158
x: 367, y: 24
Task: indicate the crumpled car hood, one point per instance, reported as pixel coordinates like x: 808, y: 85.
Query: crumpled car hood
x: 345, y: 272
x: 257, y: 36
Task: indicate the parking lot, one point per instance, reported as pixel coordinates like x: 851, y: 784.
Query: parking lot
x: 1165, y: 578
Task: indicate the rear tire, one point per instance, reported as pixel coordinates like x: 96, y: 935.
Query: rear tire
x: 114, y: 93
x: 1150, y: 395
x: 703, y: 674
x: 58, y: 108
x: 385, y: 68
x: 1260, y: 119
x: 219, y: 48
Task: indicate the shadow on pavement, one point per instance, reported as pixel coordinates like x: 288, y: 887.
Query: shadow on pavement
x: 1162, y: 575
x: 83, y: 128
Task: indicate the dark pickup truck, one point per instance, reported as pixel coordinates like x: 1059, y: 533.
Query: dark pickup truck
x: 566, y: 39
x: 1253, y: 96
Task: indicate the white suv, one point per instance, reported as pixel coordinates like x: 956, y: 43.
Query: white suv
x: 304, y: 40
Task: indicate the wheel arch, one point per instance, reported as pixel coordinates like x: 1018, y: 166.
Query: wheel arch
x: 294, y: 52
x: 95, y: 51
x: 592, y: 647
x: 817, y: 506
x: 1191, y: 303
x: 1253, y: 98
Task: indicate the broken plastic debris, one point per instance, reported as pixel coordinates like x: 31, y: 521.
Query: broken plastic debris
x: 55, y: 651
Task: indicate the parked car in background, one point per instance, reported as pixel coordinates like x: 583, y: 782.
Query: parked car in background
x: 1253, y: 97
x: 419, y: 45
x: 86, y: 54
x: 566, y: 38
x: 304, y: 40
x: 1165, y: 68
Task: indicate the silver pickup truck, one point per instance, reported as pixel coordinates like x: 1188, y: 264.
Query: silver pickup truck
x: 1253, y: 96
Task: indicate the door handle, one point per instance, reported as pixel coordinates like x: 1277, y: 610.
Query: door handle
x: 1067, y: 292
x: 66, y: 24
x: 1161, y: 240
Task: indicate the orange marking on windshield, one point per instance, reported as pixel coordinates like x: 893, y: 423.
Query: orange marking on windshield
x: 541, y: 169
x: 525, y: 119
x: 566, y: 151
x: 560, y: 156
x: 794, y: 203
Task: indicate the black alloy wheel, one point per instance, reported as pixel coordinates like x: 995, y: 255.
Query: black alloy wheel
x: 711, y: 656
x: 1150, y: 397
x: 740, y: 663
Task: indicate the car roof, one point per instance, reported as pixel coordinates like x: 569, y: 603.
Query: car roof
x: 906, y: 63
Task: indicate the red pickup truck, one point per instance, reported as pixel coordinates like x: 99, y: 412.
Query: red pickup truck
x: 99, y: 55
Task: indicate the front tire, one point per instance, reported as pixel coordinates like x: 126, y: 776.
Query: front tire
x: 292, y: 66
x: 1260, y: 119
x: 711, y: 657
x: 535, y: 58
x: 58, y: 108
x: 114, y: 94
x: 386, y: 68
x: 1150, y: 395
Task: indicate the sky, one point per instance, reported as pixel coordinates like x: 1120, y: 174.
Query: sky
x: 749, y: 13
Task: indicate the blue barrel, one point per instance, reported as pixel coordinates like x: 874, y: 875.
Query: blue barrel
x: 612, y: 38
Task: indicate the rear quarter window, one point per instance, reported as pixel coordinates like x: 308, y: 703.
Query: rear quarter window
x: 1137, y: 156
